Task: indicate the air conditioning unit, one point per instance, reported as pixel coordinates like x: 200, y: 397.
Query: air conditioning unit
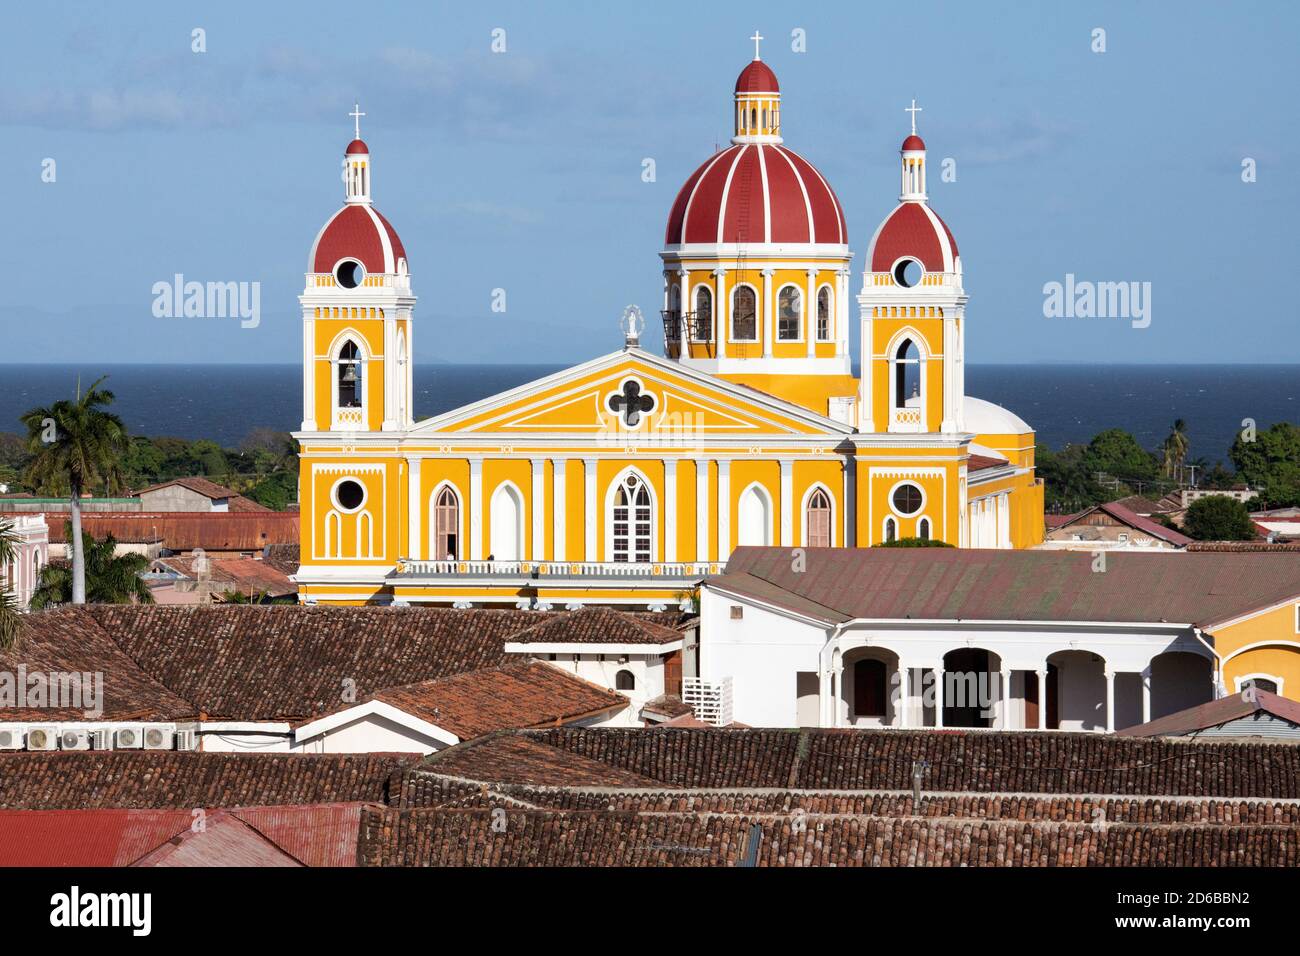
x: 101, y: 739
x: 11, y: 739
x: 157, y: 738
x: 74, y: 740
x: 42, y: 738
x: 127, y: 738
x: 187, y: 740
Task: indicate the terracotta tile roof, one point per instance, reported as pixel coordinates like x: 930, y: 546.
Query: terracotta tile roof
x: 979, y: 762
x: 1216, y: 712
x: 667, y: 706
x: 143, y: 779
x: 951, y: 584
x: 186, y: 530
x: 324, y: 835
x: 197, y: 484
x: 236, y: 574
x: 282, y: 557
x: 1240, y: 547
x: 1153, y: 528
x: 983, y: 462
x: 598, y: 626
x: 1139, y: 505
x: 468, y: 837
x: 1056, y: 521
x: 519, y: 694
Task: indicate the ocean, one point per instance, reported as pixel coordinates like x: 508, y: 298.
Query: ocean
x: 1065, y: 403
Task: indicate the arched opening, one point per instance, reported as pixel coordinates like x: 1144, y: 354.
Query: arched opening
x: 824, y: 314
x: 908, y: 273
x: 702, y: 327
x: 350, y: 374
x: 506, y: 537
x: 817, y: 520
x: 890, y: 530
x: 744, y: 312
x: 789, y: 313
x: 446, y: 525
x: 923, y: 529
x: 907, y: 375
x: 972, y: 692
x: 1076, y: 691
x: 1179, y: 680
x: 624, y: 680
x: 632, y: 521
x: 755, y: 518
x: 869, y: 693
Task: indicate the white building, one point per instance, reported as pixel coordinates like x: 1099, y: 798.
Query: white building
x: 33, y: 553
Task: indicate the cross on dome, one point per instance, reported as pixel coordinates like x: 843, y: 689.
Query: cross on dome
x: 356, y: 115
x: 913, y: 109
x: 757, y: 38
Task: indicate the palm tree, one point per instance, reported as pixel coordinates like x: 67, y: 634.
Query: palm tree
x: 76, y: 446
x: 1176, y: 447
x: 11, y: 620
x: 110, y: 578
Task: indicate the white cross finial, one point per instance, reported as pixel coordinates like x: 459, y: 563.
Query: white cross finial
x: 356, y: 115
x: 757, y: 38
x: 913, y: 109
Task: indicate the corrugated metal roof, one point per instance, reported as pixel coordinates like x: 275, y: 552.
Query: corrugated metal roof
x: 186, y: 530
x: 1233, y: 709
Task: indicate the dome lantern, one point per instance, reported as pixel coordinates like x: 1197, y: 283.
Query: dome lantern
x: 758, y: 102
x: 356, y: 164
x: 913, y: 167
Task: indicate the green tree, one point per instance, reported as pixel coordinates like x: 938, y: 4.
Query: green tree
x: 1219, y: 518
x: 1118, y: 454
x: 1271, y: 462
x: 1175, y: 449
x: 76, y: 446
x: 111, y: 578
x: 11, y: 619
x: 1068, y: 485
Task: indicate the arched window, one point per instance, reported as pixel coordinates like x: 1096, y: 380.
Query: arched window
x: 891, y: 529
x: 632, y: 521
x: 869, y: 689
x: 907, y: 373
x: 624, y: 680
x: 350, y: 372
x: 923, y: 529
x: 674, y: 298
x: 744, y: 310
x: 824, y: 314
x: 703, y: 326
x: 817, y: 520
x: 507, y: 524
x: 755, y: 514
x: 789, y: 313
x: 446, y: 526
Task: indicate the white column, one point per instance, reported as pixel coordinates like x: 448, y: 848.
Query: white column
x: 810, y: 313
x: 787, y: 502
x: 702, y: 509
x: 1005, y: 694
x: 558, y: 509
x: 1146, y: 694
x: 308, y: 373
x: 589, y: 510
x: 724, y: 509
x: 841, y: 312
x: 824, y: 697
x: 721, y: 310
x: 475, y: 509
x: 903, y: 710
x: 767, y: 313
x: 1042, y: 697
x: 1110, y: 701
x: 866, y: 414
x: 850, y: 538
x: 938, y: 696
x: 670, y: 509
x: 837, y: 700
x: 684, y: 283
x: 537, y: 506
x: 414, y: 510
x: 390, y: 375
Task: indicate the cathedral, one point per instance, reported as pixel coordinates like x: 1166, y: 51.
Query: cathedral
x: 627, y: 479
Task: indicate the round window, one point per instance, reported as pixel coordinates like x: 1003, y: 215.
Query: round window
x: 907, y: 499
x: 349, y: 273
x: 349, y: 494
x: 908, y: 273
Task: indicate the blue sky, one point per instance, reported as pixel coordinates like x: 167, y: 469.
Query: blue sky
x: 522, y: 170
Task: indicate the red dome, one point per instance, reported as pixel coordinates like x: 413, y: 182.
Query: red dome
x: 913, y: 230
x: 357, y: 232
x: 757, y: 78
x: 756, y: 193
x: 913, y: 142
x: 357, y: 146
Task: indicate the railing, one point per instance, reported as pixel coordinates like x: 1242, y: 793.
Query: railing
x: 709, y: 700
x: 906, y: 420
x: 568, y: 569
x: 343, y: 417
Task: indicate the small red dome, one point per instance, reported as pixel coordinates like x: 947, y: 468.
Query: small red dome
x: 913, y: 230
x: 913, y: 142
x: 754, y: 193
x: 757, y: 78
x: 358, y: 232
x: 357, y: 146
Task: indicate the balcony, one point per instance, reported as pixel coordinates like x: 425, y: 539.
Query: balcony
x: 659, y: 572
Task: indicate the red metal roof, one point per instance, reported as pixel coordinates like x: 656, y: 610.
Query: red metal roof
x: 186, y: 530
x: 757, y: 78
x: 357, y: 231
x: 357, y: 146
x: 913, y: 142
x: 1216, y: 712
x: 913, y: 230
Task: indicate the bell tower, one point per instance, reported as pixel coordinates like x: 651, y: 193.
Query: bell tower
x: 357, y: 313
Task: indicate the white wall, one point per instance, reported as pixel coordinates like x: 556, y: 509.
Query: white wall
x: 647, y: 669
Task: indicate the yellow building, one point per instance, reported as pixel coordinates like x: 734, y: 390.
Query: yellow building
x: 626, y: 479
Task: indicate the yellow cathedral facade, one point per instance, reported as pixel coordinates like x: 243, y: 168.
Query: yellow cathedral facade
x: 626, y: 479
